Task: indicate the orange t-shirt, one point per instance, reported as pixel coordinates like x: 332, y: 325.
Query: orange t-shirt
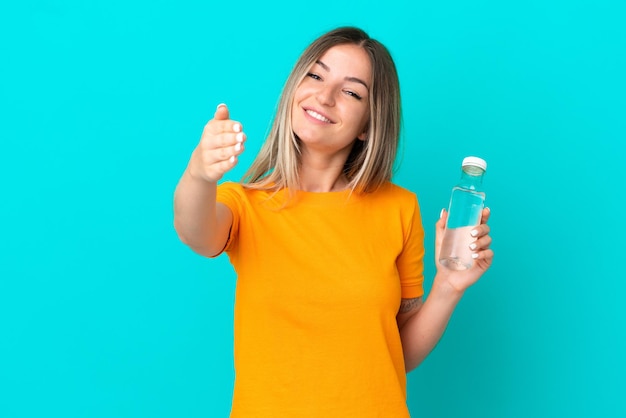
x: 319, y: 284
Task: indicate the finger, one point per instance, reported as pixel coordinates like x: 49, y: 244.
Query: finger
x: 222, y: 140
x: 229, y: 163
x: 441, y: 222
x: 485, y: 215
x: 216, y: 127
x: 480, y: 230
x: 221, y: 113
x: 440, y: 227
x: 217, y: 155
x: 221, y: 122
x: 216, y: 170
x: 481, y: 243
x: 486, y: 255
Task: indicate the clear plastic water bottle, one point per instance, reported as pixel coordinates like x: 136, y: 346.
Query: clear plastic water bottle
x: 464, y: 213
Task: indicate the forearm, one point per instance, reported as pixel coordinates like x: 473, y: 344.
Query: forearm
x: 195, y: 213
x: 422, y: 331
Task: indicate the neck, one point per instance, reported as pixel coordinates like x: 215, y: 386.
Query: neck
x: 322, y: 176
x: 322, y: 181
x: 320, y: 172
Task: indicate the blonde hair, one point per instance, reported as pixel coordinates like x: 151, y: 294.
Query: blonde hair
x: 370, y: 163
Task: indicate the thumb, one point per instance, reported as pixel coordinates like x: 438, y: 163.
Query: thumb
x: 221, y: 113
x: 440, y: 228
x: 441, y: 222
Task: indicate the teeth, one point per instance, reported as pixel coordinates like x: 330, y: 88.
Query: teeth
x: 318, y: 116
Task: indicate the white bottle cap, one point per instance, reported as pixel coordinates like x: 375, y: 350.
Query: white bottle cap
x: 475, y: 161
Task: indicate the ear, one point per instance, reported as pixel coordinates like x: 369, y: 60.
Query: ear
x: 362, y: 135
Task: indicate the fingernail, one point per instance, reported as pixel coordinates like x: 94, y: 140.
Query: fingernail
x: 232, y: 159
x: 220, y: 105
x: 474, y: 232
x: 237, y: 127
x: 239, y: 137
x: 238, y: 146
x: 441, y: 213
x: 475, y: 255
x: 473, y: 246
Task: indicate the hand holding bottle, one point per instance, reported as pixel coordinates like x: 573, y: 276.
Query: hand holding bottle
x: 482, y: 256
x: 219, y: 148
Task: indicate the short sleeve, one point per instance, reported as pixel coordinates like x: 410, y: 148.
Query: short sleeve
x: 230, y: 194
x: 410, y: 262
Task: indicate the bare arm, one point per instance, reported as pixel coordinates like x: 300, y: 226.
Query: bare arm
x: 422, y: 325
x: 200, y: 221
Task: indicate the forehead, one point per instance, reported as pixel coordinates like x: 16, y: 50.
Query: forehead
x: 348, y: 60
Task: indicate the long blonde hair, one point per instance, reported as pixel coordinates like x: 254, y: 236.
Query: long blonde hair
x: 371, y: 162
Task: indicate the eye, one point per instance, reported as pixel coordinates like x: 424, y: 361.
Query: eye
x: 314, y: 76
x: 353, y: 94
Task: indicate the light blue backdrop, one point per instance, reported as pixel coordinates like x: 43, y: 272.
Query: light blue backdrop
x: 104, y: 313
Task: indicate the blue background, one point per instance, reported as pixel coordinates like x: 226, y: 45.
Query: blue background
x: 104, y: 313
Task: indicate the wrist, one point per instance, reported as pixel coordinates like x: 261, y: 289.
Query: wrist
x: 444, y: 288
x: 196, y: 176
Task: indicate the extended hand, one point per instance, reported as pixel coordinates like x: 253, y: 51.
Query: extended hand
x: 220, y: 145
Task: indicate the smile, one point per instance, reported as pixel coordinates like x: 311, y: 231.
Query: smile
x: 317, y: 116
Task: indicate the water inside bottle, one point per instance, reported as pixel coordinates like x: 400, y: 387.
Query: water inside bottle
x: 466, y: 207
x: 455, y: 245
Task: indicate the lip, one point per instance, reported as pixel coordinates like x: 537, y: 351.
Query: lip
x: 309, y: 116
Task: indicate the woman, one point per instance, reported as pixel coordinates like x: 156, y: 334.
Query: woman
x: 329, y: 315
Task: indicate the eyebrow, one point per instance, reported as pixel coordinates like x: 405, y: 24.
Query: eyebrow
x: 353, y: 79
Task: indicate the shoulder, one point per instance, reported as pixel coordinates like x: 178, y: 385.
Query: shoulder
x: 233, y: 188
x: 231, y: 194
x: 403, y: 202
x: 245, y: 189
x: 240, y: 195
x: 397, y: 194
x: 230, y: 186
x: 399, y: 190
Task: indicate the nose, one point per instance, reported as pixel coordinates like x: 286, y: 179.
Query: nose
x: 326, y: 95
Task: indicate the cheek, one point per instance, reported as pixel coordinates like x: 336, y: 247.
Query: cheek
x: 365, y: 121
x: 293, y: 111
x: 301, y: 93
x: 298, y: 97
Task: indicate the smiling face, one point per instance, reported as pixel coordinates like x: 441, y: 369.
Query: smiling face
x: 331, y: 105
